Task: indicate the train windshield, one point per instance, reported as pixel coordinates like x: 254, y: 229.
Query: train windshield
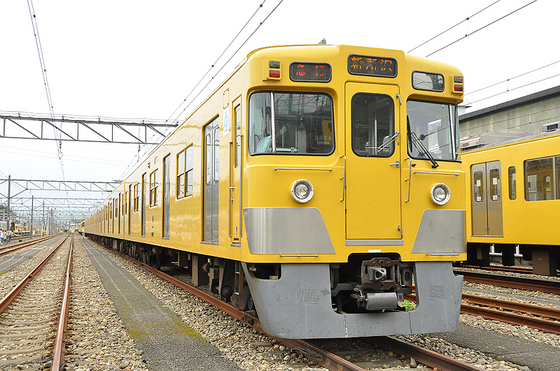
x: 290, y: 123
x: 433, y: 131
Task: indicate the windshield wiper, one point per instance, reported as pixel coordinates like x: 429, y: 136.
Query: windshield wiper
x: 420, y: 147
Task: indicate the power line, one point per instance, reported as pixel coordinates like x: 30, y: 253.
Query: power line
x: 512, y: 78
x: 238, y: 49
x: 214, y: 64
x: 138, y: 156
x: 45, y: 78
x: 481, y: 28
x: 452, y: 27
x: 519, y: 87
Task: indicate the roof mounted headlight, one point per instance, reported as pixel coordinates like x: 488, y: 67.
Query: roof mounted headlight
x: 302, y: 190
x: 440, y: 194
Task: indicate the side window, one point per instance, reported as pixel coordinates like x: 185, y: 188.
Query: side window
x: 512, y: 183
x: 189, y: 171
x: 373, y: 125
x: 478, y: 186
x: 136, y: 197
x: 237, y: 114
x: 154, y: 188
x: 185, y: 172
x: 539, y: 179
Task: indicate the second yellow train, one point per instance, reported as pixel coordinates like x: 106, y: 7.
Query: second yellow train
x: 513, y: 189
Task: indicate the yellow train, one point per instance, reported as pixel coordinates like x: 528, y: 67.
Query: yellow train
x: 506, y: 213
x: 317, y: 184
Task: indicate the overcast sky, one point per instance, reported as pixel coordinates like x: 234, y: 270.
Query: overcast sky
x: 140, y: 59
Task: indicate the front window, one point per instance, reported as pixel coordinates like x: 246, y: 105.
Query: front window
x: 290, y: 123
x: 433, y: 131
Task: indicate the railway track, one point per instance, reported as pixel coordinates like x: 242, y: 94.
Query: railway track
x: 541, y: 318
x: 500, y: 268
x: 315, y: 353
x: 551, y: 286
x: 15, y: 247
x: 31, y: 325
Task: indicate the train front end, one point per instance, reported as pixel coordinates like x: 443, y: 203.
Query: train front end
x: 353, y: 192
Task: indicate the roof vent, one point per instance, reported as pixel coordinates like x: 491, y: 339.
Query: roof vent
x: 550, y: 127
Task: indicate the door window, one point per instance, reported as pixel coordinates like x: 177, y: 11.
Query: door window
x: 373, y: 125
x: 478, y: 189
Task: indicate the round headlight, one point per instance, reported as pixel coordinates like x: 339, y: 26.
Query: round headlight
x: 440, y: 194
x: 302, y: 190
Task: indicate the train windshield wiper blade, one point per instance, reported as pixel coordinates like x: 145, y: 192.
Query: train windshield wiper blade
x: 422, y: 149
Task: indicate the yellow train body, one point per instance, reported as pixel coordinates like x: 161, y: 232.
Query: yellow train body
x: 384, y: 143
x: 513, y: 194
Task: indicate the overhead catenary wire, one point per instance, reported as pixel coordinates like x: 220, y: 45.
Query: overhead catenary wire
x: 519, y: 87
x: 480, y: 29
x: 35, y: 26
x: 234, y: 54
x: 511, y: 78
x: 452, y: 27
x: 148, y: 148
x: 217, y: 60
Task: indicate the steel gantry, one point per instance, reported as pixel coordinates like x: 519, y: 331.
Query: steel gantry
x: 61, y: 209
x: 74, y: 129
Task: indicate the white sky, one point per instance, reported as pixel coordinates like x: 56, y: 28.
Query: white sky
x: 140, y: 59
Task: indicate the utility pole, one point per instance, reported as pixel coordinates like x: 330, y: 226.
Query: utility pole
x: 8, y: 214
x: 31, y: 226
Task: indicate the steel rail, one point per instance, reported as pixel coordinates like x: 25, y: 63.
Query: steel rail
x: 421, y: 355
x: 499, y: 268
x: 15, y: 247
x: 523, y: 283
x: 60, y: 342
x: 16, y: 290
x: 534, y: 310
x: 512, y: 318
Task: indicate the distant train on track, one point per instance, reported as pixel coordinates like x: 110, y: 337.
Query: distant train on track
x: 514, y: 198
x: 317, y: 185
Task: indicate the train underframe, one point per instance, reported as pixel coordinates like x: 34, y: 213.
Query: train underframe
x: 363, y: 297
x: 545, y: 258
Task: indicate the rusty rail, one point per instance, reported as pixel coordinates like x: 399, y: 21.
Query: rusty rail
x: 421, y: 355
x: 523, y: 283
x: 16, y: 290
x: 15, y: 247
x: 60, y: 342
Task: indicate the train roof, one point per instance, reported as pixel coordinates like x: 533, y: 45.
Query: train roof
x: 500, y: 137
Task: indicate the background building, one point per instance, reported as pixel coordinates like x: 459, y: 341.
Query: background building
x: 531, y: 114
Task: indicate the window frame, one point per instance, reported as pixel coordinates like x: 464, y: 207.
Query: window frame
x: 185, y: 176
x: 273, y: 134
x: 390, y: 138
x: 154, y: 188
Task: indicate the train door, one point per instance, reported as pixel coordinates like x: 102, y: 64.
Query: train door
x: 129, y: 209
x: 373, y: 212
x: 486, y: 203
x: 211, y: 181
x: 143, y: 207
x: 235, y: 176
x: 166, y: 195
